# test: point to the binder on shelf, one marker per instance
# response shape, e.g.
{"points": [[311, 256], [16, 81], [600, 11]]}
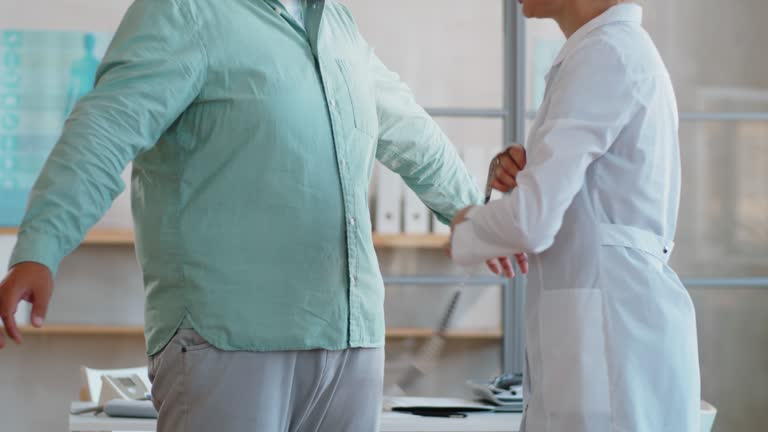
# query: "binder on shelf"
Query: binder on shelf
{"points": [[119, 216], [6, 247], [439, 227], [416, 214], [389, 192], [7, 242]]}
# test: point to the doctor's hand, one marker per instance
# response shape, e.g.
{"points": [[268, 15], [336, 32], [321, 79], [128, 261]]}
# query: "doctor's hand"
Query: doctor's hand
{"points": [[28, 281], [511, 162], [498, 265]]}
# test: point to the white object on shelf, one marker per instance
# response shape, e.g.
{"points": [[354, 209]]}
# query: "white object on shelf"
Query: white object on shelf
{"points": [[7, 242], [439, 227], [415, 214], [389, 202], [92, 378], [125, 408], [119, 214]]}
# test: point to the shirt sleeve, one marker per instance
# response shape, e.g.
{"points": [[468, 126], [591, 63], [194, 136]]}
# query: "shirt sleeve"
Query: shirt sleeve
{"points": [[413, 146], [591, 101], [152, 71]]}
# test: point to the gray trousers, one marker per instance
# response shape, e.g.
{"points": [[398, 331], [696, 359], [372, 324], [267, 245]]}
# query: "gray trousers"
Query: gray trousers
{"points": [[198, 388]]}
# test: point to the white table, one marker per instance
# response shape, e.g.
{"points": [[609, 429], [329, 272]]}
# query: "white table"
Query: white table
{"points": [[390, 422]]}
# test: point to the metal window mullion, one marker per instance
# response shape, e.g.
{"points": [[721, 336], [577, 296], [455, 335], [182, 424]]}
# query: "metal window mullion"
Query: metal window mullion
{"points": [[513, 316], [467, 112], [754, 282], [729, 282], [704, 116], [723, 116]]}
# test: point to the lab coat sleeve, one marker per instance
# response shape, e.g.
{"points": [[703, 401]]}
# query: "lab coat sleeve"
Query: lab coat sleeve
{"points": [[592, 99], [153, 69], [411, 144]]}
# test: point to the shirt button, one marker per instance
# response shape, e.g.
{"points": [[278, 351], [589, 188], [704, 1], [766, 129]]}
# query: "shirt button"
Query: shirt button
{"points": [[352, 221], [333, 103], [344, 164]]}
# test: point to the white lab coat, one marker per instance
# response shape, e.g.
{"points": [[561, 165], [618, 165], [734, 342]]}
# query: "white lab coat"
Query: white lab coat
{"points": [[611, 331]]}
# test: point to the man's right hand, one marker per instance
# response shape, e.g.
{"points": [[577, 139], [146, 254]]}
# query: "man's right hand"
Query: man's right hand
{"points": [[28, 281]]}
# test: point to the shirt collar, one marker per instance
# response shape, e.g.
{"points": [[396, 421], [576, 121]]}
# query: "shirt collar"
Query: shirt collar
{"points": [[625, 12]]}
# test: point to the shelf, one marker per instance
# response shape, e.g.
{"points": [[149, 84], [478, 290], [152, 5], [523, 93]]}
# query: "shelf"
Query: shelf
{"points": [[103, 237], [114, 237], [83, 330], [93, 330], [402, 333], [411, 241]]}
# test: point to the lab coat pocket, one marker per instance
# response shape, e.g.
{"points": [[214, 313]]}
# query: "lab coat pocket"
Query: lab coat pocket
{"points": [[575, 384]]}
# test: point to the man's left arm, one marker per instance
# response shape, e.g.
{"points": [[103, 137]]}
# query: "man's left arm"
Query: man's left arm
{"points": [[412, 145]]}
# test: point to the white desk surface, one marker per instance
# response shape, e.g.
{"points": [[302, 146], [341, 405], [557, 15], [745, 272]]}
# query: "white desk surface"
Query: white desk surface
{"points": [[390, 422]]}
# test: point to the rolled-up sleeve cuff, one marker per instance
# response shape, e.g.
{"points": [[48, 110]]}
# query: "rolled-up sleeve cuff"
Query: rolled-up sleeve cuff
{"points": [[476, 200], [43, 249]]}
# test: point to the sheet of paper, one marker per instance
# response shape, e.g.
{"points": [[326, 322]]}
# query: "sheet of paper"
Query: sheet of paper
{"points": [[433, 402]]}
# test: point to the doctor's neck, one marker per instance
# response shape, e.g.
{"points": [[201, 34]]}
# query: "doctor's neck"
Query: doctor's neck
{"points": [[571, 15]]}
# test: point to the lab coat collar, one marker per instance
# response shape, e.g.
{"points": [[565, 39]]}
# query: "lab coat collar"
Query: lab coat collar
{"points": [[625, 12]]}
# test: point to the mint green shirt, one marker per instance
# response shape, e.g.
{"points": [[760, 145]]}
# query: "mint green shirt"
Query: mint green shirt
{"points": [[253, 141]]}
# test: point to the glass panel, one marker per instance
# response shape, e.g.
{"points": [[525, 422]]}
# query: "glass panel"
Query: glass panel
{"points": [[478, 308], [459, 360], [723, 224], [543, 42], [704, 43], [731, 325], [448, 51]]}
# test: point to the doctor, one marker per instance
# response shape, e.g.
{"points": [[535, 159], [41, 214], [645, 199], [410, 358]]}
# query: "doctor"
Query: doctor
{"points": [[611, 331]]}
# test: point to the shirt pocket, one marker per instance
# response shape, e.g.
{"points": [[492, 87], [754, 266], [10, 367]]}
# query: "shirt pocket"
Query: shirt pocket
{"points": [[358, 94]]}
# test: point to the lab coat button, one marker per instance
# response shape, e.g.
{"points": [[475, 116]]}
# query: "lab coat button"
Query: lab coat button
{"points": [[666, 250]]}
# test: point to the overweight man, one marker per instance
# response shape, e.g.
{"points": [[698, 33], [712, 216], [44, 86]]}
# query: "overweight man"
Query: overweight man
{"points": [[253, 126]]}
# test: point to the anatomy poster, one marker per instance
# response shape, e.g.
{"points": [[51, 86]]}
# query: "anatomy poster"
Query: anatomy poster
{"points": [[42, 75]]}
